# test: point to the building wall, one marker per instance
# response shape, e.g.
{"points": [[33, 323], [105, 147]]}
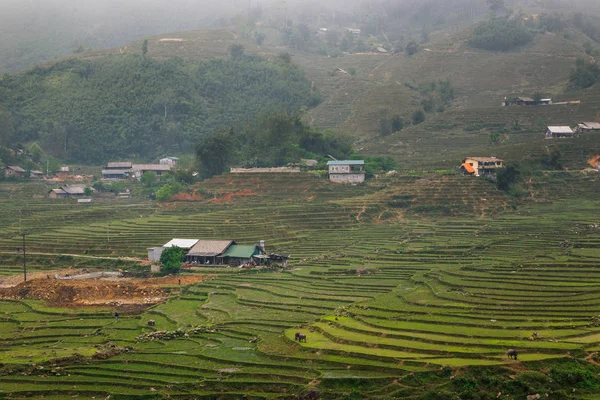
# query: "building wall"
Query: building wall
{"points": [[347, 178], [154, 253], [264, 170], [10, 172], [339, 169]]}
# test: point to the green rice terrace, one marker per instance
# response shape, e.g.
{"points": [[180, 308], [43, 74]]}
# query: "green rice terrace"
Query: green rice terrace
{"points": [[412, 286]]}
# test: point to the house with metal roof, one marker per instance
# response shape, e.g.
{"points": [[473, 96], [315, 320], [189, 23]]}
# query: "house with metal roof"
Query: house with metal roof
{"points": [[154, 253], [346, 171], [140, 169], [481, 165], [588, 126], [239, 254], [559, 132]]}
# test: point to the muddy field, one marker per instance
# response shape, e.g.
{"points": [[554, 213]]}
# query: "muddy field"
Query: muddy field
{"points": [[91, 292]]}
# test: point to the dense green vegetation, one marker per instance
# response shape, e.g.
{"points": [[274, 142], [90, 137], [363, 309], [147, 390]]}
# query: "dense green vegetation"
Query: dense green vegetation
{"points": [[500, 34], [133, 106]]}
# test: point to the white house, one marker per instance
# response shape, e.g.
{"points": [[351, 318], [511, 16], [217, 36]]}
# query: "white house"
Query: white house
{"points": [[346, 171], [559, 132]]}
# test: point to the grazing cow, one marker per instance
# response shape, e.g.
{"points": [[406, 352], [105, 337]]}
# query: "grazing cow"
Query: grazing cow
{"points": [[151, 322], [297, 336], [512, 354], [302, 338]]}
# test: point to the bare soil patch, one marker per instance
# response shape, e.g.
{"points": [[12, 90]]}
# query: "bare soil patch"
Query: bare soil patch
{"points": [[92, 292]]}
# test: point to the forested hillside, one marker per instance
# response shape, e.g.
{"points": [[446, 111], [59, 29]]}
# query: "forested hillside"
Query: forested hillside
{"points": [[130, 105]]}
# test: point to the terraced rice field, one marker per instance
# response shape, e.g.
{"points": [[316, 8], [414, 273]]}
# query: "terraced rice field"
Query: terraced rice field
{"points": [[393, 300]]}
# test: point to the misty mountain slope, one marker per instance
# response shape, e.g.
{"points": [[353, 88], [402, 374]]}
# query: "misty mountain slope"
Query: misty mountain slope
{"points": [[35, 31]]}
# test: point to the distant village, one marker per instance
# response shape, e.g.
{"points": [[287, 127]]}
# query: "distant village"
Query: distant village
{"points": [[338, 171]]}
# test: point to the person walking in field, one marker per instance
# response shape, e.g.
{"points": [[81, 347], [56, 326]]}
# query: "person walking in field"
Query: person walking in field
{"points": [[116, 316]]}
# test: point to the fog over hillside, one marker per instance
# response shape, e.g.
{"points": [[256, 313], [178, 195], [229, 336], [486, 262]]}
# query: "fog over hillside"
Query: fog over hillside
{"points": [[34, 31]]}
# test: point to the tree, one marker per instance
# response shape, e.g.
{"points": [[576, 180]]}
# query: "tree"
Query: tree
{"points": [[35, 152], [172, 259], [412, 47], [87, 191], [214, 153], [552, 159], [236, 51], [145, 48], [397, 123], [586, 74], [260, 38], [385, 127], [537, 98], [506, 177], [164, 192], [418, 117], [148, 179], [6, 127]]}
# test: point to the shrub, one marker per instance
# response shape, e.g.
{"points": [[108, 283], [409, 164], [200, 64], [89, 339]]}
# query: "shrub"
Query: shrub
{"points": [[164, 192], [411, 48], [418, 117]]}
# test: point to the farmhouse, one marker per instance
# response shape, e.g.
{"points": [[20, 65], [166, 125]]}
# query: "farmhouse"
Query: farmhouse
{"points": [[172, 161], [518, 101], [481, 165], [219, 252], [68, 191], [125, 169], [117, 170], [588, 126], [36, 174], [14, 171], [208, 251], [140, 169], [559, 132], [353, 31], [348, 171]]}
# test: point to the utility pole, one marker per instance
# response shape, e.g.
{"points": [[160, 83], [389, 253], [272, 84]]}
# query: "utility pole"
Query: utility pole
{"points": [[24, 261]]}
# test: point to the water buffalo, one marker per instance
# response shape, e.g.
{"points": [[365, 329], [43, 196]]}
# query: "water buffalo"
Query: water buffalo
{"points": [[302, 338], [512, 354], [297, 336]]}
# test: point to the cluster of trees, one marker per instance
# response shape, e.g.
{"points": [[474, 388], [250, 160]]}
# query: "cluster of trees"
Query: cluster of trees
{"points": [[585, 74], [435, 96], [274, 139], [116, 106], [500, 34]]}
